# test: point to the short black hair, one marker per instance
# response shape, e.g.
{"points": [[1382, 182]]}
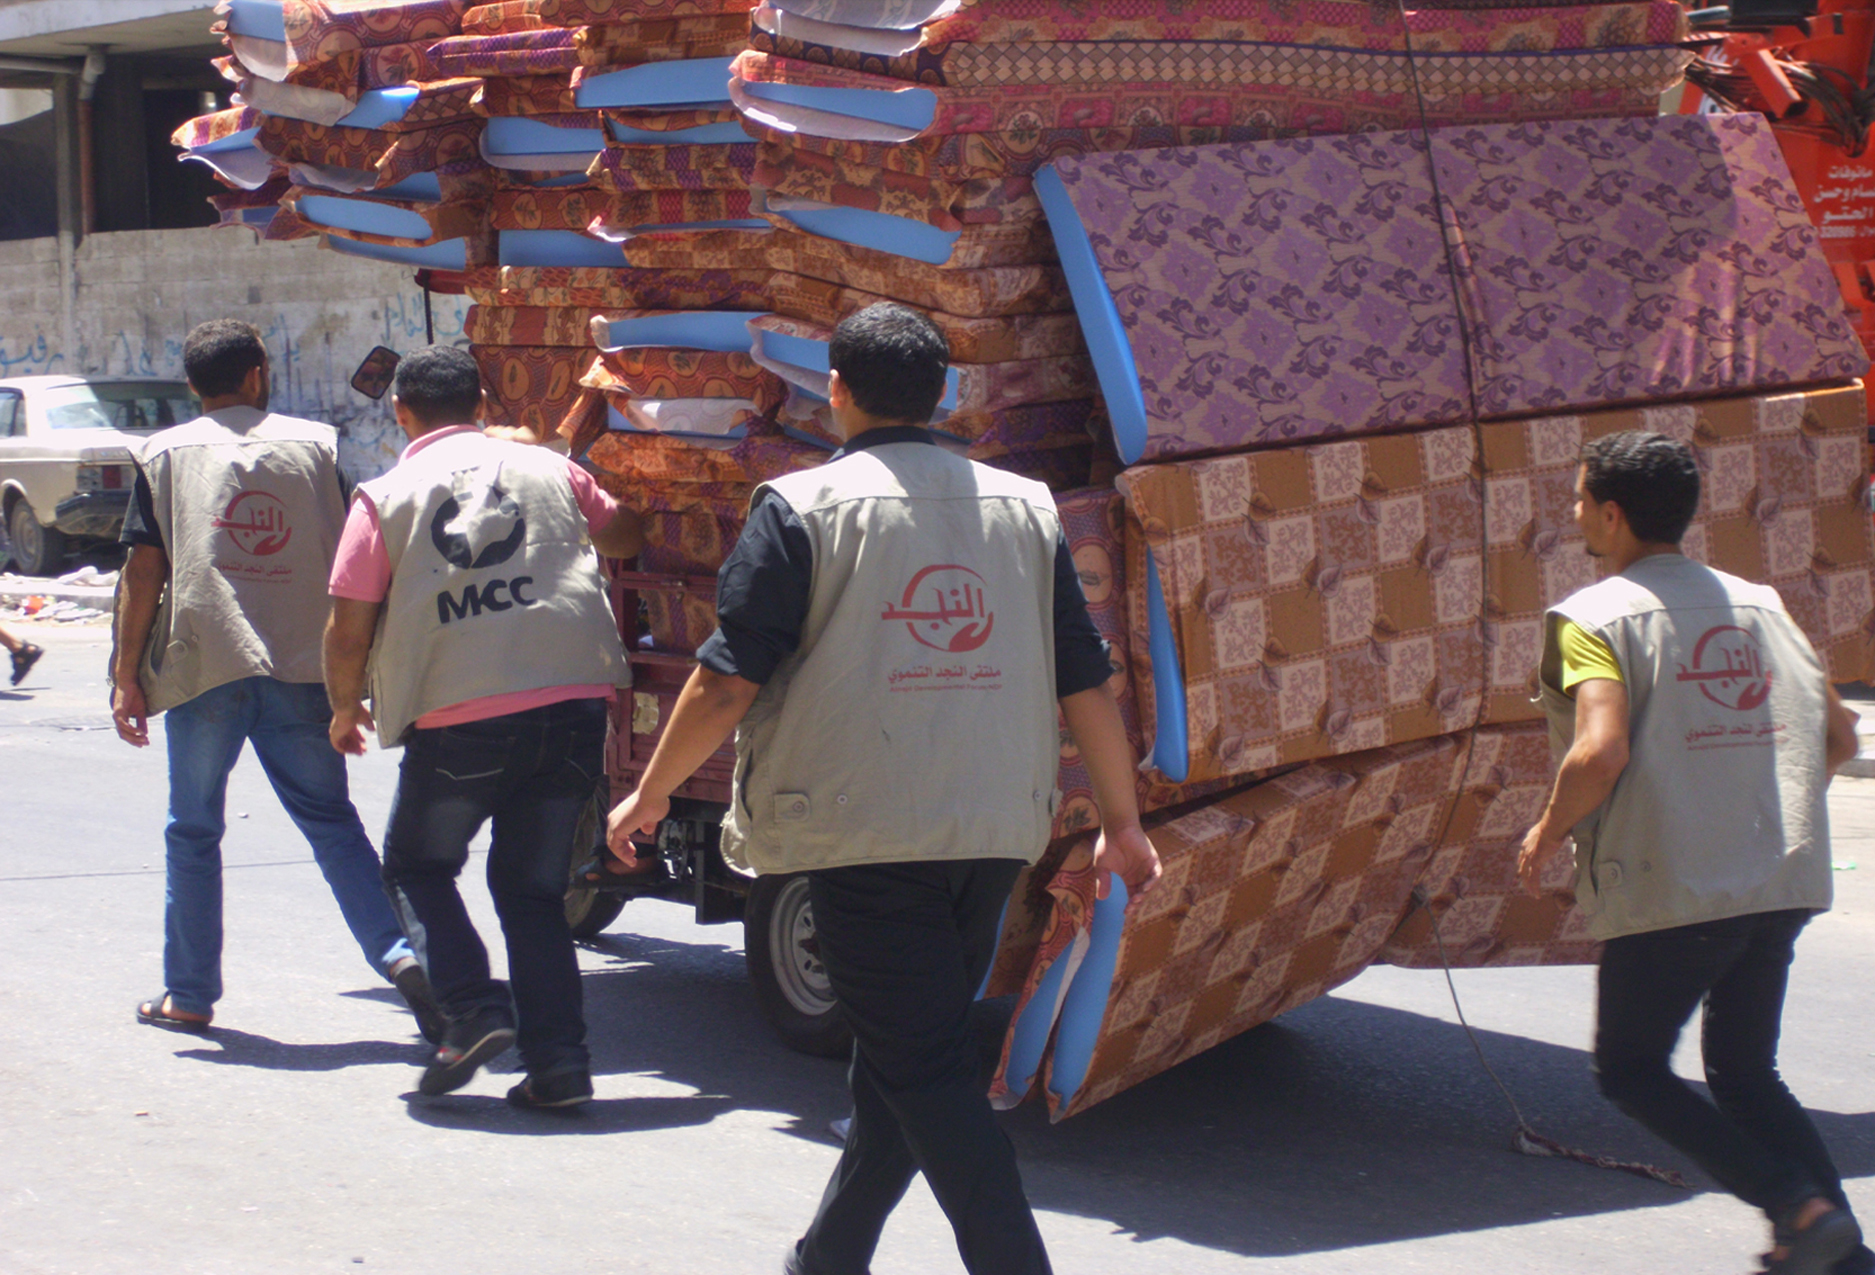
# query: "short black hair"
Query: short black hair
{"points": [[893, 361], [440, 384], [218, 355], [1654, 479]]}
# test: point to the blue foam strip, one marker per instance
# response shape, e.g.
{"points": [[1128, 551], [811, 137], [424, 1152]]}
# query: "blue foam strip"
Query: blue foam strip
{"points": [[905, 108], [725, 331], [232, 142], [418, 188], [262, 19], [557, 248], [451, 254], [984, 986], [705, 135], [1100, 318], [679, 83], [1029, 1034], [522, 135], [1170, 744], [881, 232], [805, 352], [365, 216], [1085, 1006], [378, 107]]}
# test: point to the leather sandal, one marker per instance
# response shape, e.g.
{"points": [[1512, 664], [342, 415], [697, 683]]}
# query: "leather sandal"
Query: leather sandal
{"points": [[160, 1011]]}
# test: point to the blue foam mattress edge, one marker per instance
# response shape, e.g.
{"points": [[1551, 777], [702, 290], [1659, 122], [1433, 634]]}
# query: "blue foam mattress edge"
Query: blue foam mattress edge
{"points": [[1100, 318], [679, 83]]}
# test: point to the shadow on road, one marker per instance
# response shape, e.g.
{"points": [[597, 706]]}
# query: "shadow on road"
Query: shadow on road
{"points": [[602, 1115], [245, 1049], [1344, 1124]]}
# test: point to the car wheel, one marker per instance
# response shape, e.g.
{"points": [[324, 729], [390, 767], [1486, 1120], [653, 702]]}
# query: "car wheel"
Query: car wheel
{"points": [[39, 551], [791, 983], [589, 911]]}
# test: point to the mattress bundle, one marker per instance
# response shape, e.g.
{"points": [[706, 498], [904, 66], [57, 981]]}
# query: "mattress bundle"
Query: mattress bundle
{"points": [[345, 127], [1353, 376]]}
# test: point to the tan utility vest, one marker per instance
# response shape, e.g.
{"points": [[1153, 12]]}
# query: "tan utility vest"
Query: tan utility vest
{"points": [[917, 718], [250, 510], [1721, 809], [494, 584]]}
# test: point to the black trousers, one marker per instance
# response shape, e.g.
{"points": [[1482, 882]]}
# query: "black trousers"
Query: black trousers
{"points": [[906, 946], [1754, 1137]]}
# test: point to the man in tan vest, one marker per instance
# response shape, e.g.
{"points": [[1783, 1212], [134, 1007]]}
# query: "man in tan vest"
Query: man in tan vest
{"points": [[231, 529], [468, 600], [1701, 735], [897, 630]]}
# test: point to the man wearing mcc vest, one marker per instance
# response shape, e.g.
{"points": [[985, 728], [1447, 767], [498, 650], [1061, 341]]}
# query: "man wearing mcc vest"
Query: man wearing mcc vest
{"points": [[897, 628], [467, 599], [1701, 735], [231, 529]]}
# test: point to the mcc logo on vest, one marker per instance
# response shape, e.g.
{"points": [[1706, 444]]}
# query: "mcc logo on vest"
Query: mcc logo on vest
{"points": [[488, 534]]}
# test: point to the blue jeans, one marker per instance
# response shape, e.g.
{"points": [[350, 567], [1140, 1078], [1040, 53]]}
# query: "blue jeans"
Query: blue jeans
{"points": [[287, 722], [532, 773]]}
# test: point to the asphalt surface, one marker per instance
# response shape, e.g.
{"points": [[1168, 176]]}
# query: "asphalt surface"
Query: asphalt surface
{"points": [[1357, 1134]]}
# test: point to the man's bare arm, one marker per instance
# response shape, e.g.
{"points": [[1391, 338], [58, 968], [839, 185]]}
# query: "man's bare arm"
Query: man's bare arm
{"points": [[139, 591], [1123, 847], [707, 711], [623, 536], [348, 638], [1841, 743], [1587, 774]]}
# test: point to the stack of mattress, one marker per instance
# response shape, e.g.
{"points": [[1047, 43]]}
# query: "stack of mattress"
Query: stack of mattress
{"points": [[603, 120], [1354, 376], [347, 128]]}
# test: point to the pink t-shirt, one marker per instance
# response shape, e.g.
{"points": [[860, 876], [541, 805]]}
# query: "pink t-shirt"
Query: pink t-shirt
{"points": [[362, 572]]}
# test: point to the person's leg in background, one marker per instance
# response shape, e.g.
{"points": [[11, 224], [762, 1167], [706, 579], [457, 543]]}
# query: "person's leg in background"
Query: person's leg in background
{"points": [[559, 766], [24, 654], [906, 947], [290, 736], [204, 737]]}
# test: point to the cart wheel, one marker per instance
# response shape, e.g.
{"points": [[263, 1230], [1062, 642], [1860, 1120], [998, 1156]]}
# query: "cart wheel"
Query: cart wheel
{"points": [[589, 911], [784, 964]]}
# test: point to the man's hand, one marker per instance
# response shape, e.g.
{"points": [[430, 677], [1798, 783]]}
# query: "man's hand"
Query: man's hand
{"points": [[1538, 850], [639, 812], [1125, 852], [131, 712], [350, 721]]}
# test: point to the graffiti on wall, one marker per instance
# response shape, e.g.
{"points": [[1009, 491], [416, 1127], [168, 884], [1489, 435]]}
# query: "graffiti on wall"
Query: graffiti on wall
{"points": [[33, 356]]}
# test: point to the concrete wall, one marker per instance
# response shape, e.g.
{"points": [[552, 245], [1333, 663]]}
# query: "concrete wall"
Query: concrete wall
{"points": [[130, 298]]}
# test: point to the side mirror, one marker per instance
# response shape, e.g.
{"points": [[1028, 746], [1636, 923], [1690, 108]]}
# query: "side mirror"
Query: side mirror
{"points": [[373, 376]]}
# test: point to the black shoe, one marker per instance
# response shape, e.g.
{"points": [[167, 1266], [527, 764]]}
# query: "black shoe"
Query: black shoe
{"points": [[1860, 1262], [411, 983], [466, 1045], [1818, 1247], [561, 1089], [24, 659], [792, 1264]]}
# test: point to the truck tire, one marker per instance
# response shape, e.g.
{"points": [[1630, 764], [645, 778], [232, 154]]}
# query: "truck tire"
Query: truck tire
{"points": [[589, 911], [790, 982], [39, 551]]}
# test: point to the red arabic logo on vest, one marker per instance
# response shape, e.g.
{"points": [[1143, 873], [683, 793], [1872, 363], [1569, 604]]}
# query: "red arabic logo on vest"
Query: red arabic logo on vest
{"points": [[256, 522], [1729, 668], [943, 608]]}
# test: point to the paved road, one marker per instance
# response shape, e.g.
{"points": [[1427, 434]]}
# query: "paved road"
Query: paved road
{"points": [[1357, 1134]]}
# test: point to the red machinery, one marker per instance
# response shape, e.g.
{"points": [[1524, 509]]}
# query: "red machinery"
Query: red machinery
{"points": [[1806, 64]]}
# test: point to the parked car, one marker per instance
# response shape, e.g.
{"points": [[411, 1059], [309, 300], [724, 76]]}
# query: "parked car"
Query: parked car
{"points": [[65, 457]]}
